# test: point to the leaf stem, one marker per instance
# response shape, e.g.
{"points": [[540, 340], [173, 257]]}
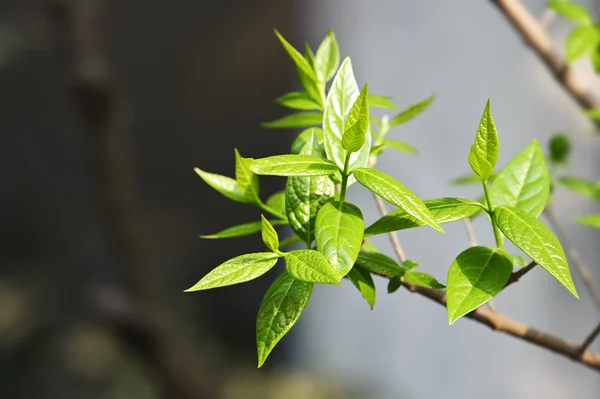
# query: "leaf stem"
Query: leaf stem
{"points": [[488, 198], [272, 211], [345, 178]]}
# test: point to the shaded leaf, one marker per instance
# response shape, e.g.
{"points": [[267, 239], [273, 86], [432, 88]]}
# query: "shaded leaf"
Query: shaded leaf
{"points": [[422, 280], [363, 281], [560, 147], [394, 284], [277, 202], [378, 263]]}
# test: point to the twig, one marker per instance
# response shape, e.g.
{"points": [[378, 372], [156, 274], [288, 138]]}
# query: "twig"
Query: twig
{"points": [[590, 338], [581, 266], [470, 232], [393, 236], [516, 276], [534, 34], [547, 17]]}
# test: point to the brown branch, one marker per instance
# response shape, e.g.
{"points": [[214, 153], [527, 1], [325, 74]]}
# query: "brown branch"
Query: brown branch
{"points": [[534, 34], [470, 232], [516, 276], [79, 43], [393, 236], [590, 338]]}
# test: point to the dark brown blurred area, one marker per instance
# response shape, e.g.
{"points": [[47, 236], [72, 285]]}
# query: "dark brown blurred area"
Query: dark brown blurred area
{"points": [[105, 108]]}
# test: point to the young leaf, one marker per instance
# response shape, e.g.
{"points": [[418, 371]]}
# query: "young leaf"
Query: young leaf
{"points": [[292, 165], [299, 119], [298, 59], [394, 284], [363, 281], [357, 123], [560, 147], [247, 181], [580, 186], [395, 193], [311, 266], [339, 233], [400, 146], [410, 112], [376, 101], [277, 202], [475, 276], [269, 235], [237, 270], [298, 100], [378, 263], [518, 260], [524, 182], [484, 153], [409, 264], [327, 58], [342, 95], [591, 220], [537, 241], [225, 185], [571, 11], [581, 41], [305, 137], [422, 280], [241, 230], [368, 246], [281, 307]]}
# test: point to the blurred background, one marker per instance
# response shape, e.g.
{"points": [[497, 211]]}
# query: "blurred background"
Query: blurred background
{"points": [[107, 106]]}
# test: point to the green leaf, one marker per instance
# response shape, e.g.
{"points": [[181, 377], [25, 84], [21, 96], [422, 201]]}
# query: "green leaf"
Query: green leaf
{"points": [[591, 220], [310, 265], [224, 185], [379, 263], [277, 202], [289, 241], [400, 146], [281, 307], [475, 276], [368, 246], [571, 11], [595, 56], [363, 281], [339, 233], [537, 241], [305, 137], [246, 179], [593, 113], [298, 100], [269, 235], [292, 165], [524, 182], [444, 210], [327, 58], [342, 95], [395, 193], [298, 59], [357, 123], [299, 119], [581, 41], [580, 186], [376, 101], [241, 230], [394, 284], [411, 112], [467, 179], [422, 280], [518, 260], [560, 147], [410, 264], [237, 270], [484, 153]]}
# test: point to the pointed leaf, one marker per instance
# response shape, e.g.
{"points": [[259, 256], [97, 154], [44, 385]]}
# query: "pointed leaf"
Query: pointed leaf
{"points": [[479, 165], [298, 59], [327, 58], [422, 280], [224, 185], [379, 263], [269, 235], [537, 241], [292, 165], [409, 264], [298, 100], [484, 153], [363, 281], [475, 276], [376, 101], [237, 270], [299, 119], [339, 233], [524, 182], [305, 137], [281, 307], [368, 246], [357, 123], [591, 220], [289, 241], [246, 179], [399, 146], [310, 265], [395, 193], [581, 41], [411, 112], [571, 11], [342, 95], [394, 284], [241, 230]]}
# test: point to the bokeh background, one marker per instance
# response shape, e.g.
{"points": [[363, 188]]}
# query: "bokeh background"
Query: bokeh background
{"points": [[106, 107]]}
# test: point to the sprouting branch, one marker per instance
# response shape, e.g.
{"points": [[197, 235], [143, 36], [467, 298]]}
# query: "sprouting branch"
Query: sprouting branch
{"points": [[534, 34], [590, 338], [516, 276]]}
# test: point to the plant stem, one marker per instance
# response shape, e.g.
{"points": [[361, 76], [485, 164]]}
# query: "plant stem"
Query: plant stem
{"points": [[488, 198], [345, 178], [272, 211]]}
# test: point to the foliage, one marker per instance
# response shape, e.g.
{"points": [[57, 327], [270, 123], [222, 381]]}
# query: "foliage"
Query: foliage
{"points": [[341, 147]]}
